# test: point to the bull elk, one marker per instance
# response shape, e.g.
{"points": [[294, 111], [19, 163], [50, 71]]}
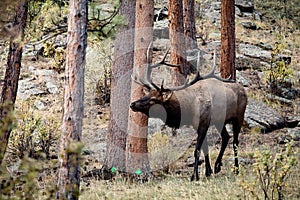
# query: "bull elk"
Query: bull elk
{"points": [[201, 102]]}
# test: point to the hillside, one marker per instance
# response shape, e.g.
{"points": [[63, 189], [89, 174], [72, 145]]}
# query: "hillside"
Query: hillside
{"points": [[267, 46]]}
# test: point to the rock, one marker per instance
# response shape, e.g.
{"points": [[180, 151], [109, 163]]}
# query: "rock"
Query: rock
{"points": [[161, 29], [245, 5], [52, 88], [161, 44], [238, 12], [160, 13], [249, 25], [44, 75], [254, 51], [289, 93], [244, 62], [242, 80], [265, 46], [281, 99], [243, 161], [154, 125], [28, 88], [292, 134], [258, 114], [257, 16], [214, 36], [39, 105]]}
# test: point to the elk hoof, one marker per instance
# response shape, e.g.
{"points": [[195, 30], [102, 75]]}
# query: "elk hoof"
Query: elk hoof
{"points": [[236, 170], [218, 167], [208, 172], [193, 178]]}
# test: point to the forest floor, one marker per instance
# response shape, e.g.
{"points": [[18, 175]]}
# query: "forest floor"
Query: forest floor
{"points": [[256, 150]]}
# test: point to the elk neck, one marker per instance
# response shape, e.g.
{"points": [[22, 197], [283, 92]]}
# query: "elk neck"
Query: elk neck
{"points": [[172, 107]]}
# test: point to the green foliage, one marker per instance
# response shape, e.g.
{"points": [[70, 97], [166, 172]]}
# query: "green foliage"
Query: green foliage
{"points": [[45, 17], [59, 55], [270, 173], [49, 50], [59, 59], [20, 181], [34, 135], [279, 72]]}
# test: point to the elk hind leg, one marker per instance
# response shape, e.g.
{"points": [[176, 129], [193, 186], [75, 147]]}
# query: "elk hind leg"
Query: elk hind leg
{"points": [[236, 125], [208, 170], [225, 138]]}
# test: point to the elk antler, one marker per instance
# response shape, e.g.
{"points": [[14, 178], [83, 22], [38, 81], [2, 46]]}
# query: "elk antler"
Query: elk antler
{"points": [[212, 74], [150, 85], [146, 81]]}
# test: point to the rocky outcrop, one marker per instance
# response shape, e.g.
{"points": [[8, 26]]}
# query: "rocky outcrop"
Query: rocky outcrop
{"points": [[258, 114]]}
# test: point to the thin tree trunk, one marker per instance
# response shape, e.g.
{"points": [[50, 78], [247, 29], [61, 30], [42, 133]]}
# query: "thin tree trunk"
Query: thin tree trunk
{"points": [[177, 41], [120, 91], [228, 39], [137, 151], [70, 146], [11, 79]]}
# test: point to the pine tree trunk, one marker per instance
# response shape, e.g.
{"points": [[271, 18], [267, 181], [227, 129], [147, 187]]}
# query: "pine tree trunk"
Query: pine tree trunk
{"points": [[11, 79], [189, 24], [70, 146], [120, 91], [177, 41], [137, 151], [189, 30], [228, 39]]}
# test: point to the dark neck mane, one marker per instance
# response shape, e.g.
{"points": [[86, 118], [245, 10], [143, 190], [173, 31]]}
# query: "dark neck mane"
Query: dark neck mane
{"points": [[173, 110]]}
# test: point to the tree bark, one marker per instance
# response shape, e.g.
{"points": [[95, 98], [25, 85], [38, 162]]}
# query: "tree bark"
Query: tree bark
{"points": [[189, 24], [137, 151], [120, 91], [189, 30], [228, 39], [177, 41], [12, 73], [70, 146]]}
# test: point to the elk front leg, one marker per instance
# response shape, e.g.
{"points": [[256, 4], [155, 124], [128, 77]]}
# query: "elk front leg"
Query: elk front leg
{"points": [[200, 139], [225, 138]]}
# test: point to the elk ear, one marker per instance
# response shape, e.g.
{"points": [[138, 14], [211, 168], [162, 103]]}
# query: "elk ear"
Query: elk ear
{"points": [[166, 95]]}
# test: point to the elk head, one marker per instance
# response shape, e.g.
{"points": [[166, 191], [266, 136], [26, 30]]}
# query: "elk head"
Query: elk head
{"points": [[152, 97]]}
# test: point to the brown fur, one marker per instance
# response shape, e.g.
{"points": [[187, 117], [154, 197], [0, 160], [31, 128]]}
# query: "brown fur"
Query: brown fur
{"points": [[205, 103]]}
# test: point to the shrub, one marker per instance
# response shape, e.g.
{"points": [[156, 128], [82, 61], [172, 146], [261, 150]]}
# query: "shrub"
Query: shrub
{"points": [[33, 135], [270, 173], [279, 72]]}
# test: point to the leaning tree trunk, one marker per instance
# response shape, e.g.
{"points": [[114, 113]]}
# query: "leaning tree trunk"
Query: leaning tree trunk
{"points": [[12, 73], [137, 151], [120, 91], [70, 146], [228, 39], [177, 41]]}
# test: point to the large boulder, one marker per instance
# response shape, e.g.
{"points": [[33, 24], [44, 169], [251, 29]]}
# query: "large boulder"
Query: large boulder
{"points": [[258, 114]]}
